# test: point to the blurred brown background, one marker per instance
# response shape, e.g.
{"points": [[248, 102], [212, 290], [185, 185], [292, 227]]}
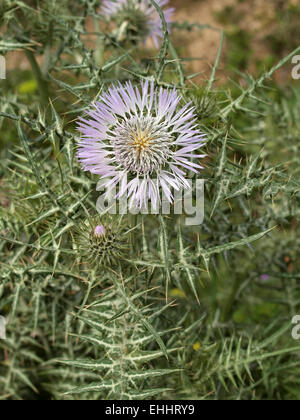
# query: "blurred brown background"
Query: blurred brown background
{"points": [[258, 34]]}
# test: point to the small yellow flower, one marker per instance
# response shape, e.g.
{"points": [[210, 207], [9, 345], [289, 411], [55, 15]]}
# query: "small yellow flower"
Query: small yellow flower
{"points": [[177, 293], [197, 346], [27, 87]]}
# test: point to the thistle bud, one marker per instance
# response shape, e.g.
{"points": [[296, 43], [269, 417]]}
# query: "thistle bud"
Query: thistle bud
{"points": [[101, 241]]}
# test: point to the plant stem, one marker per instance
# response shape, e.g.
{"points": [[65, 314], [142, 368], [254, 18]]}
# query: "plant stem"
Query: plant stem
{"points": [[42, 84], [99, 51]]}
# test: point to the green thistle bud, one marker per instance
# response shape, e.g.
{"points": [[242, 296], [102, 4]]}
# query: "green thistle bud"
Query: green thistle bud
{"points": [[102, 241], [204, 102]]}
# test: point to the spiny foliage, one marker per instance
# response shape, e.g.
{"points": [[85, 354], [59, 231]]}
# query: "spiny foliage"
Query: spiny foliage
{"points": [[135, 329]]}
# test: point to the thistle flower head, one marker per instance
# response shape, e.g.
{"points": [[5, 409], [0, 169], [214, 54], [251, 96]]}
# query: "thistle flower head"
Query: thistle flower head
{"points": [[141, 140], [140, 16], [101, 240]]}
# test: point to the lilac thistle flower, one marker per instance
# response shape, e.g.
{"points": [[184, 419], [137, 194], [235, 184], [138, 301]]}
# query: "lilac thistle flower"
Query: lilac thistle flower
{"points": [[142, 141], [143, 14]]}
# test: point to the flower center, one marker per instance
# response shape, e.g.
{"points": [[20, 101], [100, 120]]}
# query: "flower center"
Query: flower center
{"points": [[142, 145], [141, 141]]}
